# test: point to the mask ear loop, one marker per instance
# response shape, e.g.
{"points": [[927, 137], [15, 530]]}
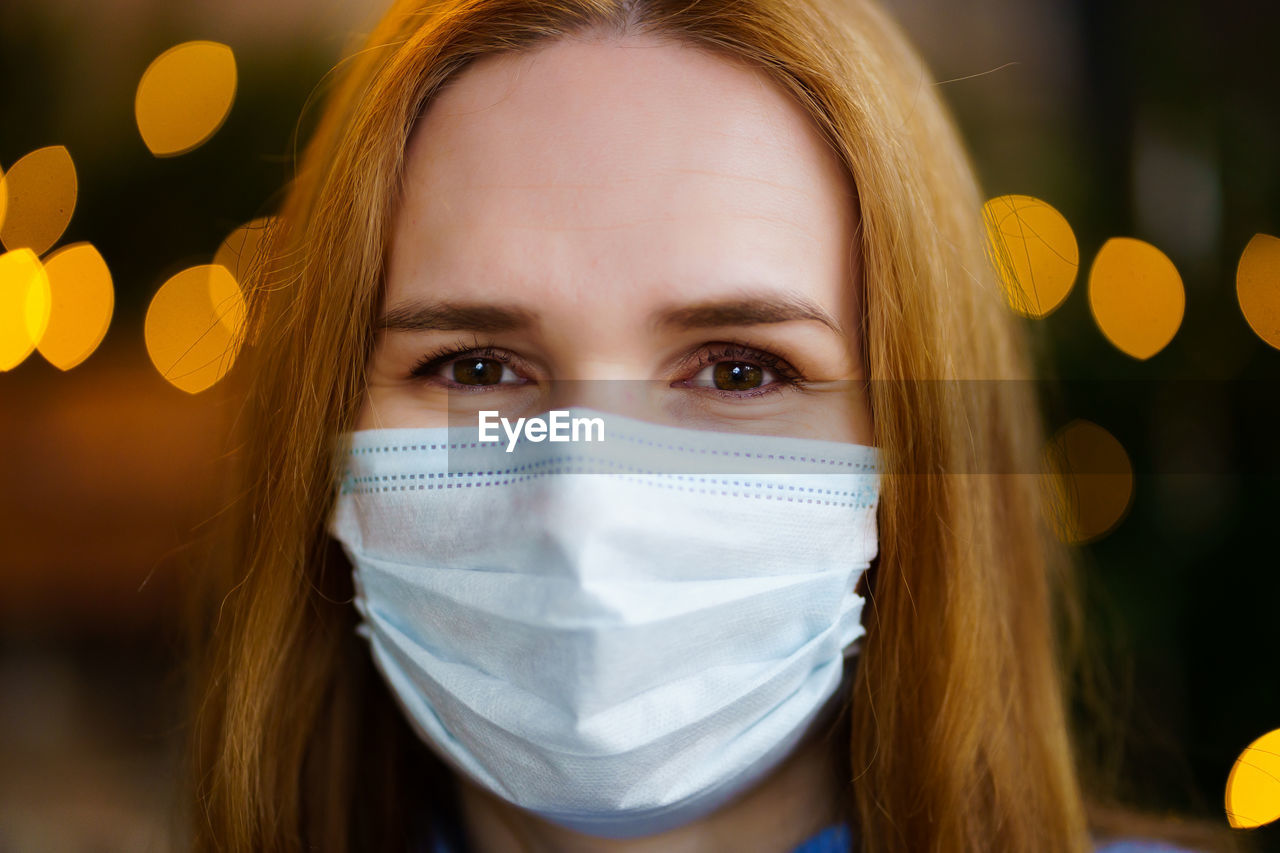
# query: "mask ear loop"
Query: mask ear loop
{"points": [[853, 649]]}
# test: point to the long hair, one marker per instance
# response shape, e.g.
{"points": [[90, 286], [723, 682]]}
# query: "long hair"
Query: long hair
{"points": [[958, 738]]}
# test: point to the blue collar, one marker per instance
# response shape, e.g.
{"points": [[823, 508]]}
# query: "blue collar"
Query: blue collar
{"points": [[833, 839]]}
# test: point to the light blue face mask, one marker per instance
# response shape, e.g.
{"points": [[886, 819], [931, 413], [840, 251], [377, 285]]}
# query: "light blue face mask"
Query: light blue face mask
{"points": [[619, 635]]}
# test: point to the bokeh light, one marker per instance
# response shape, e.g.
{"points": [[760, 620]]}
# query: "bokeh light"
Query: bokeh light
{"points": [[24, 305], [4, 198], [41, 198], [1253, 786], [239, 252], [1034, 249], [1258, 287], [82, 302], [184, 96], [1136, 296], [1088, 483], [194, 325]]}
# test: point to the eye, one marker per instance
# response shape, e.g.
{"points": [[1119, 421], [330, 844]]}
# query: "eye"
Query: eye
{"points": [[480, 371], [733, 376], [734, 371], [471, 367]]}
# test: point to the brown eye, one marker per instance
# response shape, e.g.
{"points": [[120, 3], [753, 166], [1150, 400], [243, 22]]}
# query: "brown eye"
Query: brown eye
{"points": [[477, 371], [737, 376]]}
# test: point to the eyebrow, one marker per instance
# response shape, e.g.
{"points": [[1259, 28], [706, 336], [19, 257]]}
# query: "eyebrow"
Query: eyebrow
{"points": [[746, 311], [454, 316], [483, 317]]}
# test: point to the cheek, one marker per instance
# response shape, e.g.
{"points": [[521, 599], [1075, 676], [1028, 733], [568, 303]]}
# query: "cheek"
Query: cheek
{"points": [[390, 398], [849, 417], [397, 407], [849, 412], [839, 413]]}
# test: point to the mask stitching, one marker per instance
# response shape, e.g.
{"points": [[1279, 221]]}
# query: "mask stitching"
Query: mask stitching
{"points": [[723, 492], [476, 445], [563, 463], [570, 465]]}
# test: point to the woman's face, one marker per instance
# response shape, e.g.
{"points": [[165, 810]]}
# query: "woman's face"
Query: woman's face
{"points": [[628, 225]]}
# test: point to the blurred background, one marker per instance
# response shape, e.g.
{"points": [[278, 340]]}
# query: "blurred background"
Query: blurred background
{"points": [[1100, 119]]}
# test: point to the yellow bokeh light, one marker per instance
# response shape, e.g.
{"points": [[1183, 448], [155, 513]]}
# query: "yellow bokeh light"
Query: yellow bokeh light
{"points": [[1258, 287], [194, 326], [83, 300], [24, 305], [1136, 296], [184, 96], [239, 252], [41, 198], [1034, 249], [1088, 485], [1253, 786], [4, 198]]}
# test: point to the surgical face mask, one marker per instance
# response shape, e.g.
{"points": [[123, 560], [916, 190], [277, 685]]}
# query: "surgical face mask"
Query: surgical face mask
{"points": [[617, 635]]}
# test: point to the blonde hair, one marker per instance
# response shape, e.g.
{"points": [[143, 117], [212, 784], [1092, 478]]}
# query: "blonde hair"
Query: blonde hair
{"points": [[958, 733]]}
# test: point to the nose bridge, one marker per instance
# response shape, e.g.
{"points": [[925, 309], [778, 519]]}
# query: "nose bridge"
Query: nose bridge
{"points": [[614, 387], [575, 515], [603, 353]]}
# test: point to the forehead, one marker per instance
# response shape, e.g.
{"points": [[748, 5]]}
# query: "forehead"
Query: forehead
{"points": [[618, 165]]}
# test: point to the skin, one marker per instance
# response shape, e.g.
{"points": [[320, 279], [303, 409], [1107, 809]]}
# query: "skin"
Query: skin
{"points": [[607, 220]]}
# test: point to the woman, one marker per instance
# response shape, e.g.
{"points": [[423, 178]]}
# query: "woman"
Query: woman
{"points": [[743, 225]]}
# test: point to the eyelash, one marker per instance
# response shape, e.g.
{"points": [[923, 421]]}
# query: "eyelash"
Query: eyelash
{"points": [[431, 363], [787, 376]]}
